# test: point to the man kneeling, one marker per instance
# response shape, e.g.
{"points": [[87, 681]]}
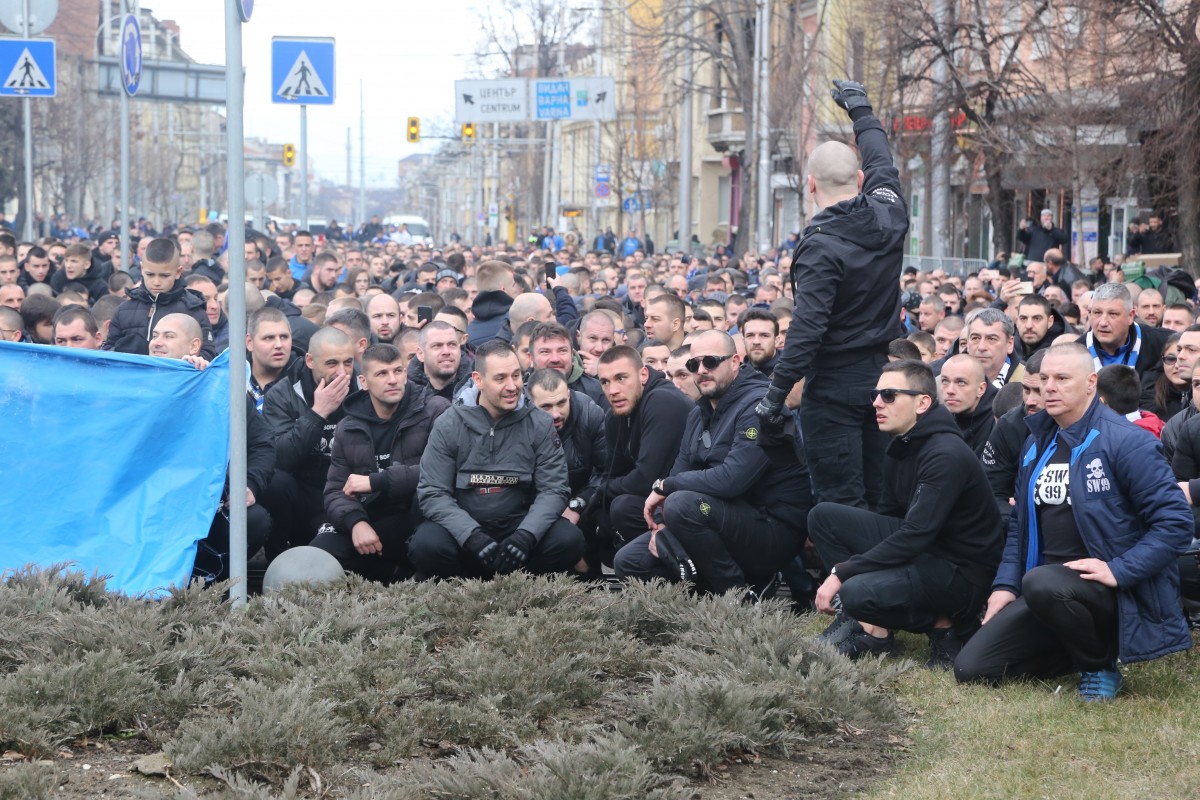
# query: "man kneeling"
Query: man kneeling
{"points": [[494, 482], [1089, 572], [925, 561]]}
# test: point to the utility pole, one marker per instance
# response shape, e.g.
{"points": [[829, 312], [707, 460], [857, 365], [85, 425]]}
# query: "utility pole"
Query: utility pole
{"points": [[349, 175], [362, 157], [763, 129], [685, 143], [939, 174]]}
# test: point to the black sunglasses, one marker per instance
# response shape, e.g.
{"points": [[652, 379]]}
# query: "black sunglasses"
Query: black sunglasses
{"points": [[889, 395], [1170, 359], [709, 362]]}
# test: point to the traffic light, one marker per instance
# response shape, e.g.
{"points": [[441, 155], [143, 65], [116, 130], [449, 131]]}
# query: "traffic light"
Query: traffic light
{"points": [[414, 129], [289, 155], [468, 133]]}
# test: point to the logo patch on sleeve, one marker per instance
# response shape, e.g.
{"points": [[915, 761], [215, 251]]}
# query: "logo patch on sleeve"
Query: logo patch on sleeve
{"points": [[886, 194], [752, 433]]}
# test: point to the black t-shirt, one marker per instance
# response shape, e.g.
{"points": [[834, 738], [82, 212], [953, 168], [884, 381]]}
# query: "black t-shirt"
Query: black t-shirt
{"points": [[1058, 533]]}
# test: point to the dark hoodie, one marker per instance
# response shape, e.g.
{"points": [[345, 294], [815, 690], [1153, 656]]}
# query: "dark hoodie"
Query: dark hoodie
{"points": [[417, 377], [388, 451], [134, 320], [96, 284], [643, 446], [303, 439], [1058, 326], [846, 269], [935, 483], [490, 310], [720, 454], [976, 426]]}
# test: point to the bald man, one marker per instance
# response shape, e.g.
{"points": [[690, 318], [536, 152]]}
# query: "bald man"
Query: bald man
{"points": [[966, 393], [178, 336], [1089, 574], [527, 307], [846, 282]]}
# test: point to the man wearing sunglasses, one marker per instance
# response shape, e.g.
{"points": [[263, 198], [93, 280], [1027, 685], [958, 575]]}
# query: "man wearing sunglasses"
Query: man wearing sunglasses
{"points": [[730, 514], [925, 562], [846, 282]]}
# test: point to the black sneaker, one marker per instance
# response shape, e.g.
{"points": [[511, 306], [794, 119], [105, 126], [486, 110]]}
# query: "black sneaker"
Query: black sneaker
{"points": [[944, 646], [860, 643], [842, 626]]}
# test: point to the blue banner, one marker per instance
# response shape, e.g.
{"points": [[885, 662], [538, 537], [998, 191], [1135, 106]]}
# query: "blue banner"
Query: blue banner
{"points": [[112, 462]]}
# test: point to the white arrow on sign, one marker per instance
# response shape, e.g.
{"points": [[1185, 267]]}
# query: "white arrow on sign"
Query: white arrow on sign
{"points": [[302, 81]]}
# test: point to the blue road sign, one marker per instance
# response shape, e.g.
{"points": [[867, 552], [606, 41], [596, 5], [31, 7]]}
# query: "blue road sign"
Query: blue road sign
{"points": [[246, 9], [553, 99], [302, 71], [27, 66], [131, 54]]}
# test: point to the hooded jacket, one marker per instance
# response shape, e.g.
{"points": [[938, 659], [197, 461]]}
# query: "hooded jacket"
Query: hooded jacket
{"points": [[417, 377], [135, 318], [584, 446], [1129, 512], [303, 439], [935, 483], [643, 446], [499, 475], [580, 381], [846, 269], [209, 269], [490, 310], [95, 283], [1058, 326], [1001, 458], [393, 483], [720, 454], [976, 426]]}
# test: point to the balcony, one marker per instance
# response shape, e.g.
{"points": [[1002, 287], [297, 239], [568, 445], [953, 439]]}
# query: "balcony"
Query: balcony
{"points": [[727, 129]]}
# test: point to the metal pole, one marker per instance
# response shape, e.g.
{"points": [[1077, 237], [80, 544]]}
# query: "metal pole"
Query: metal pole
{"points": [[685, 144], [123, 211], [236, 178], [27, 114], [362, 157], [939, 174], [764, 130], [303, 168]]}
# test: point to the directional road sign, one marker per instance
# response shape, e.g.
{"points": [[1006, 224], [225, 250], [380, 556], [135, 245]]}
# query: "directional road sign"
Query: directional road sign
{"points": [[27, 66], [131, 54], [504, 100], [574, 98], [302, 71]]}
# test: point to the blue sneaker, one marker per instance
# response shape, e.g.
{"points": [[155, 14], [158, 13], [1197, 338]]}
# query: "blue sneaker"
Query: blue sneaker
{"points": [[1100, 686]]}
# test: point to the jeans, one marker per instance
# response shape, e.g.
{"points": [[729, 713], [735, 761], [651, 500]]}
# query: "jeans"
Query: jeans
{"points": [[842, 441], [911, 596], [1059, 623]]}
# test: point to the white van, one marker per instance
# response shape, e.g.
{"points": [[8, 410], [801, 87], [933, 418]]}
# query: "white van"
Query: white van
{"points": [[418, 227]]}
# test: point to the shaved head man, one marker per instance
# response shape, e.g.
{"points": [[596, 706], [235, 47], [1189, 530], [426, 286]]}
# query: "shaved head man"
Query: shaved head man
{"points": [[384, 313], [832, 173], [529, 306], [966, 394], [178, 336]]}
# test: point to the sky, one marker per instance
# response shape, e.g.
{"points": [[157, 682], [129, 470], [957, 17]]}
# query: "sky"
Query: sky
{"points": [[406, 53]]}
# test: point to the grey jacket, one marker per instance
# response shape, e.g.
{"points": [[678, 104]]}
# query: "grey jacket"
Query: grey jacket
{"points": [[500, 476]]}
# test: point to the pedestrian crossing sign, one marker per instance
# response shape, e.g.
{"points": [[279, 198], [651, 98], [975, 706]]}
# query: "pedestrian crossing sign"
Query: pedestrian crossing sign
{"points": [[302, 71], [27, 67]]}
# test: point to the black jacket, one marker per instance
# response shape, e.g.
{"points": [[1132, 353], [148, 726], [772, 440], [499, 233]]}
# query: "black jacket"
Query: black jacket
{"points": [[96, 284], [135, 319], [1038, 240], [1058, 326], [209, 269], [643, 446], [584, 446], [846, 270], [935, 483], [303, 440], [1002, 458], [1149, 355], [417, 377], [394, 484], [720, 454], [499, 475], [260, 453], [976, 426]]}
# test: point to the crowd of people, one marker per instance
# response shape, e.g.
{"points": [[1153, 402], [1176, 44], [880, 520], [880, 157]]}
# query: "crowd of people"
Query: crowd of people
{"points": [[1004, 461]]}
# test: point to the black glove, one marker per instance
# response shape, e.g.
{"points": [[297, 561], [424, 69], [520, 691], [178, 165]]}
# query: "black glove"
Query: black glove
{"points": [[483, 547], [514, 551], [770, 409], [850, 95]]}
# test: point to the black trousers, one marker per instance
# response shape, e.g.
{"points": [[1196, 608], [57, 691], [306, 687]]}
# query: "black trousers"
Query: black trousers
{"points": [[298, 512], [1059, 623], [434, 553], [212, 552], [842, 441], [730, 542], [390, 565], [910, 597]]}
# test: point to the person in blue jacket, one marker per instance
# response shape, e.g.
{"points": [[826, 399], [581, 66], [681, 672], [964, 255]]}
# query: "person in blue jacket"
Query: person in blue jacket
{"points": [[1089, 577]]}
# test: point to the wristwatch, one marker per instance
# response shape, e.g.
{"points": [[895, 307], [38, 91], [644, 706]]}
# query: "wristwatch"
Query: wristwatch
{"points": [[577, 504], [659, 487]]}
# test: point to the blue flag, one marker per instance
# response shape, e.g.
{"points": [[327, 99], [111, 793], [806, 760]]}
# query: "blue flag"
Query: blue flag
{"points": [[113, 462]]}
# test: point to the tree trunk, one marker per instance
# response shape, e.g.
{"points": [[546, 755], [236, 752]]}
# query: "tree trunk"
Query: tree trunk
{"points": [[1187, 168], [999, 200]]}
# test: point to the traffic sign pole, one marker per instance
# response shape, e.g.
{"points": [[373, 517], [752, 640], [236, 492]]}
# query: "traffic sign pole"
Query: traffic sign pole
{"points": [[27, 122], [131, 76], [236, 237], [303, 167]]}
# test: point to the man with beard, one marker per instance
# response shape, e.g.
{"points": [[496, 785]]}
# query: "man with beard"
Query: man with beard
{"points": [[384, 313], [1038, 324], [303, 410], [760, 331], [439, 362]]}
